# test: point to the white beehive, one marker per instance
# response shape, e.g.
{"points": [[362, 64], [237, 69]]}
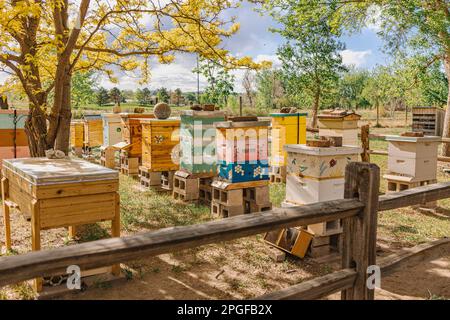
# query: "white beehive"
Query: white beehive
{"points": [[316, 174], [414, 157]]}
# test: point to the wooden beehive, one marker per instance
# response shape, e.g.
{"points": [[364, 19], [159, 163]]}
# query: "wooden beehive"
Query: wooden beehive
{"points": [[93, 130], [242, 150], [429, 120], [287, 128], [340, 123], [160, 144], [413, 157], [76, 134], [132, 132], [13, 139], [112, 129], [197, 139]]}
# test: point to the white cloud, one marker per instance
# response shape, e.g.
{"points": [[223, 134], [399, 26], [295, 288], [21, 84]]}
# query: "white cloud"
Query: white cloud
{"points": [[355, 58]]}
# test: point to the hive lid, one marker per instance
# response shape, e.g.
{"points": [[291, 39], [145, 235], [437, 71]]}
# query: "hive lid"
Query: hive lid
{"points": [[125, 115], [202, 113], [339, 114], [296, 114], [317, 151], [92, 116], [121, 146], [161, 121], [111, 116], [44, 171], [243, 124], [413, 139]]}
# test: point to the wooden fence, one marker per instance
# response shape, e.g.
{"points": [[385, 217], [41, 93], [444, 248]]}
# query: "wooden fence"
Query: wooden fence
{"points": [[358, 211]]}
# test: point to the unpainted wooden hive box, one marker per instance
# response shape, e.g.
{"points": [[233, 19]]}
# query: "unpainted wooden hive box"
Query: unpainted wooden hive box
{"points": [[340, 123], [132, 131]]}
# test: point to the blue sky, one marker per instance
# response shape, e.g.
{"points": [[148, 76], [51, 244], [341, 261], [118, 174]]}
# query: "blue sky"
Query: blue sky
{"points": [[254, 39]]}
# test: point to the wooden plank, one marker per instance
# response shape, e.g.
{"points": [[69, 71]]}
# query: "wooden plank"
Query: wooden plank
{"points": [[315, 288], [415, 196], [360, 232], [409, 257], [6, 216], [112, 251]]}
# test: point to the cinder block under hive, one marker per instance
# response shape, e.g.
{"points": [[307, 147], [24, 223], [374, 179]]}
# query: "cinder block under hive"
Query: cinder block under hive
{"points": [[224, 211], [167, 180], [185, 188]]}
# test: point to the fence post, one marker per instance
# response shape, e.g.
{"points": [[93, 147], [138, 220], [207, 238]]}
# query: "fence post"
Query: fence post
{"points": [[362, 181]]}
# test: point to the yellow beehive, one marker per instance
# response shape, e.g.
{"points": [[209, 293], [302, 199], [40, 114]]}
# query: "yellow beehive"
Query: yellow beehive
{"points": [[76, 134], [93, 131], [160, 144], [287, 128]]}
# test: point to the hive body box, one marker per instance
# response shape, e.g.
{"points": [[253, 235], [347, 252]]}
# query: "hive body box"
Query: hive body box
{"points": [[197, 139], [429, 120], [413, 157], [10, 136], [60, 193], [93, 130], [132, 132], [340, 124], [112, 129], [76, 134], [242, 151], [287, 128], [160, 144]]}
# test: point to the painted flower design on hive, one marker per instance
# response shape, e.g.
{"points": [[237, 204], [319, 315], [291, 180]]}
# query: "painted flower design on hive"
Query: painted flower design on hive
{"points": [[258, 172], [332, 163], [230, 174], [159, 139], [239, 170]]}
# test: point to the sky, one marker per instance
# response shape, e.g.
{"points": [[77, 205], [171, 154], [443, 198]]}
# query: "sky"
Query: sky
{"points": [[254, 39]]}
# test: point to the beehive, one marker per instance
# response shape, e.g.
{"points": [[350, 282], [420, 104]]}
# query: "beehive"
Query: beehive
{"points": [[13, 139], [287, 128], [112, 129], [76, 134], [160, 144], [316, 174], [340, 123], [242, 150], [93, 130], [132, 132], [429, 120], [197, 139], [413, 157]]}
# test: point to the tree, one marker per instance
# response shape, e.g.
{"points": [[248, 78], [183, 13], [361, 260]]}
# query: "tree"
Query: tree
{"points": [[83, 88], [351, 87], [143, 96], [220, 82], [102, 97], [43, 43], [269, 89], [191, 97], [311, 62], [407, 25], [178, 96], [116, 96], [163, 95], [248, 83]]}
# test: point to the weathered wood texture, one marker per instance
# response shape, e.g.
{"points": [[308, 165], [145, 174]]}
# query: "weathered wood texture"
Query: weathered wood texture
{"points": [[343, 279], [362, 180], [111, 251]]}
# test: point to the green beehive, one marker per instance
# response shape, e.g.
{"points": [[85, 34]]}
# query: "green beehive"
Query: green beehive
{"points": [[197, 138]]}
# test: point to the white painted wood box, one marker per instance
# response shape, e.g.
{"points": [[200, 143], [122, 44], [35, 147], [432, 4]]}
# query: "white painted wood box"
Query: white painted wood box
{"points": [[340, 123], [414, 157]]}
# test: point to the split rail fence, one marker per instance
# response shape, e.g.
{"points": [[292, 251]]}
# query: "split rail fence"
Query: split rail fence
{"points": [[358, 212]]}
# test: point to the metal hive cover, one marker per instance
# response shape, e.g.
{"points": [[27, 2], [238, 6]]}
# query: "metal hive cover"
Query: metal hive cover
{"points": [[44, 171]]}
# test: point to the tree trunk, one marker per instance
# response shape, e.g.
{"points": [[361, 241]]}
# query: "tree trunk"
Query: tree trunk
{"points": [[36, 130], [315, 109], [63, 133], [446, 132]]}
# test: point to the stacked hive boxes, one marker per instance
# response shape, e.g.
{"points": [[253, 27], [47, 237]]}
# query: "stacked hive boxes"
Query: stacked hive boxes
{"points": [[112, 129], [13, 139], [131, 148], [287, 128], [316, 174], [93, 132], [340, 123], [242, 156], [77, 136], [412, 162], [160, 152], [198, 155]]}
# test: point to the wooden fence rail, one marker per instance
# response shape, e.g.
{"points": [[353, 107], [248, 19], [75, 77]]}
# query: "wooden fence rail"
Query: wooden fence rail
{"points": [[358, 211]]}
